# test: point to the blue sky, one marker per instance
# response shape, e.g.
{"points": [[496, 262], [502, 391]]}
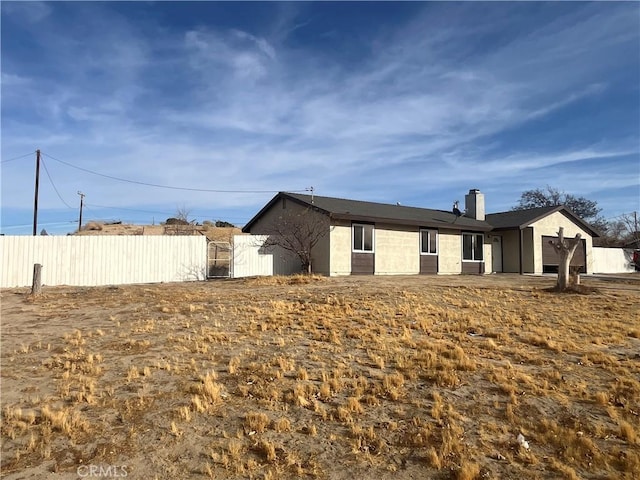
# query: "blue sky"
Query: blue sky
{"points": [[391, 102]]}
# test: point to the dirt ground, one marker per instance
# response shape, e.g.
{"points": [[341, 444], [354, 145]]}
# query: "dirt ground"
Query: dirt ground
{"points": [[331, 378], [223, 234]]}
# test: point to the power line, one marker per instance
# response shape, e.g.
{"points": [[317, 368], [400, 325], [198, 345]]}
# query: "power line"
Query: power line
{"points": [[54, 185], [166, 186], [17, 158], [124, 208], [40, 224]]}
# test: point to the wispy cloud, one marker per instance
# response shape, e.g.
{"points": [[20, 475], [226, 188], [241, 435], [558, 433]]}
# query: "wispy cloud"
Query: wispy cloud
{"points": [[30, 12], [450, 97]]}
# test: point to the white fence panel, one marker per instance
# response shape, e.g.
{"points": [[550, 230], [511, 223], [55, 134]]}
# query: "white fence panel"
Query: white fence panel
{"points": [[102, 260], [612, 260], [251, 259]]}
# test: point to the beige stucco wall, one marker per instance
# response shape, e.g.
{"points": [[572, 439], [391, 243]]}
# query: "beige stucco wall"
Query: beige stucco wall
{"points": [[549, 226], [397, 250], [320, 253], [450, 251], [340, 245]]}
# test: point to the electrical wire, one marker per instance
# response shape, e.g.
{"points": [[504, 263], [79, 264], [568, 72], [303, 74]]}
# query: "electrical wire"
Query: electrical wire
{"points": [[39, 224], [16, 158], [165, 186], [54, 185], [93, 205], [128, 209]]}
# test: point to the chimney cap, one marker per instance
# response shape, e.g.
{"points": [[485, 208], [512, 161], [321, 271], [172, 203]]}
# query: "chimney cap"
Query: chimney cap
{"points": [[474, 190]]}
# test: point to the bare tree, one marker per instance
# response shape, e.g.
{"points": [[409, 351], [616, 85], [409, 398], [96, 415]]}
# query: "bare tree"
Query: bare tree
{"points": [[622, 231], [565, 248], [550, 197], [631, 228], [180, 224], [297, 233], [182, 213]]}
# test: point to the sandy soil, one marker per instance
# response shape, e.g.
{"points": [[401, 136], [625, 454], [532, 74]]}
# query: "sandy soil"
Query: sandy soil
{"points": [[348, 378]]}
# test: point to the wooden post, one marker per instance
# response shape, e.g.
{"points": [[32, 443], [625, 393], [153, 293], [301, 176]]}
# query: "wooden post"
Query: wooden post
{"points": [[35, 200], [36, 286]]}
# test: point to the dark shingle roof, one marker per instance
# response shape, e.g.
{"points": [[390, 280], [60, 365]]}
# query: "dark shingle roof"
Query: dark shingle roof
{"points": [[523, 218], [519, 218], [356, 210]]}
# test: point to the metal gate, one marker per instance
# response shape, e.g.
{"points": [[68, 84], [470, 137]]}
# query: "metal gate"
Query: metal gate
{"points": [[219, 260]]}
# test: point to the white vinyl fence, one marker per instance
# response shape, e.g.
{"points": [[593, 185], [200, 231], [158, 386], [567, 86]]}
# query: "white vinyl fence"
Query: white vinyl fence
{"points": [[102, 260], [612, 260], [251, 258]]}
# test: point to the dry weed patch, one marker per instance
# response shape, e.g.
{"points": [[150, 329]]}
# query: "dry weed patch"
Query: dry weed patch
{"points": [[310, 377]]}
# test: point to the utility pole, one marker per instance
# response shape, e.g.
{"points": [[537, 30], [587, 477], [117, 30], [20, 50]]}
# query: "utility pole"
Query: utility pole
{"points": [[35, 202], [81, 205]]}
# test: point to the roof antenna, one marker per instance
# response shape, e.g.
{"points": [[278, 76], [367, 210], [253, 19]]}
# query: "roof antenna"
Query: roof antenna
{"points": [[310, 189], [456, 210]]}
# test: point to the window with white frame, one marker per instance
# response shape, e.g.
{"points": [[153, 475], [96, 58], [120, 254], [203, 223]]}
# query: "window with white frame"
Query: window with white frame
{"points": [[472, 247], [428, 242], [362, 238]]}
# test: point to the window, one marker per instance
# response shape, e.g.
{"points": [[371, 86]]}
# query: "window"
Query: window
{"points": [[362, 238], [428, 242], [472, 246]]}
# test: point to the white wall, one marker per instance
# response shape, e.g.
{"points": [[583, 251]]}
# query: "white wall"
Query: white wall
{"points": [[612, 260], [102, 260], [251, 259]]}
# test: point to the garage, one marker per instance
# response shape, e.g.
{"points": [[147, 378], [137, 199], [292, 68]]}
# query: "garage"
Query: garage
{"points": [[550, 259]]}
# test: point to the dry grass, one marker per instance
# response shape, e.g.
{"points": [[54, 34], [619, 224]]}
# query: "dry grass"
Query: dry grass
{"points": [[304, 376]]}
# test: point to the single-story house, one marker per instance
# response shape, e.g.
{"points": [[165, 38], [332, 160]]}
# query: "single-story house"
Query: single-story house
{"points": [[384, 239]]}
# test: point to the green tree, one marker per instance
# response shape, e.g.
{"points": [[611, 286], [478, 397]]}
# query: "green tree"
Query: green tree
{"points": [[550, 197]]}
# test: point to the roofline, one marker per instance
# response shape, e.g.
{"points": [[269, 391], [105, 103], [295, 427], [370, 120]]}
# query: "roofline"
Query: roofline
{"points": [[559, 208], [363, 218], [414, 223], [271, 202], [394, 221], [585, 226], [540, 217]]}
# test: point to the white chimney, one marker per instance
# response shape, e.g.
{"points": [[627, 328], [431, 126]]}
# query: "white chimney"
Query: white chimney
{"points": [[474, 204]]}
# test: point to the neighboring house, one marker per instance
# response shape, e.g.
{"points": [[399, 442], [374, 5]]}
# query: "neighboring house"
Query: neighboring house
{"points": [[383, 239]]}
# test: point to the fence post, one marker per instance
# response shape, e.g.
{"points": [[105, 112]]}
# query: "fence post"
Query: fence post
{"points": [[36, 286]]}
